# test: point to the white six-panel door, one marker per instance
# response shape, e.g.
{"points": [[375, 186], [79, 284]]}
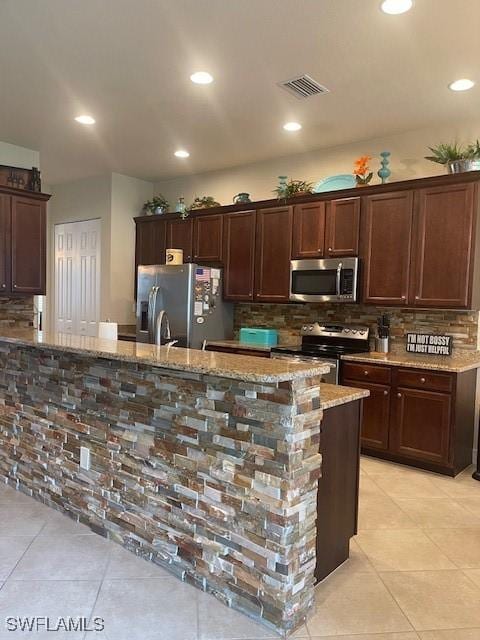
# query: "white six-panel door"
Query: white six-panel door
{"points": [[77, 277]]}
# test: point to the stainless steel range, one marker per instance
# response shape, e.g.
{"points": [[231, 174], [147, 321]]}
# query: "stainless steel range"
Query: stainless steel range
{"points": [[326, 343]]}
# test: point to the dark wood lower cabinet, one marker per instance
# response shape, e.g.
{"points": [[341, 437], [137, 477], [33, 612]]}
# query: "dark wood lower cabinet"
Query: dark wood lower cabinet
{"points": [[376, 414], [337, 497], [421, 418], [421, 425]]}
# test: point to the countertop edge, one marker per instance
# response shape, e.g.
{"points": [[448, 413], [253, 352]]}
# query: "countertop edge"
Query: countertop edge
{"points": [[393, 361], [288, 376], [336, 395]]}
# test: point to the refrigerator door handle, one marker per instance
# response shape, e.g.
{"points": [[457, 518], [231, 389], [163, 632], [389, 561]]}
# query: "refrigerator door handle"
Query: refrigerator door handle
{"points": [[152, 302]]}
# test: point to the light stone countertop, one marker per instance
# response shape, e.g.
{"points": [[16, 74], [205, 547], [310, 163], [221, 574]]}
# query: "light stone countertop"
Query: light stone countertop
{"points": [[223, 365], [456, 363], [333, 395]]}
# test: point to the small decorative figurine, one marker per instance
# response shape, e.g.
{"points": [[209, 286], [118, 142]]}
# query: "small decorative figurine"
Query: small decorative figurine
{"points": [[362, 172], [384, 172]]}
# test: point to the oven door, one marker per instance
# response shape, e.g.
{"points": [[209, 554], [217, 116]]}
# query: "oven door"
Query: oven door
{"points": [[330, 280], [331, 377]]}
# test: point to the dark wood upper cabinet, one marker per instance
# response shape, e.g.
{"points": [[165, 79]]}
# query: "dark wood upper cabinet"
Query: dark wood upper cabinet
{"points": [[150, 242], [180, 236], [273, 250], [444, 233], [5, 235], [386, 247], [421, 427], [207, 238], [28, 257], [239, 255], [342, 227], [308, 230]]}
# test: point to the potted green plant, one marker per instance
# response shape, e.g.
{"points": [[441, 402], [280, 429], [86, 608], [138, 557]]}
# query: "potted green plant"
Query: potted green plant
{"points": [[293, 188], [158, 205], [205, 202], [457, 158]]}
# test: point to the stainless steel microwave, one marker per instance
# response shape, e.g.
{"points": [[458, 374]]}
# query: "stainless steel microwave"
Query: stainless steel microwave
{"points": [[329, 280]]}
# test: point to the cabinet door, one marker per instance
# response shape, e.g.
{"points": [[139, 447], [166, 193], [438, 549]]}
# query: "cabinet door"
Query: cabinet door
{"points": [[342, 227], [443, 252], [308, 230], [375, 415], [421, 425], [5, 204], [239, 255], [180, 236], [28, 246], [386, 247], [273, 250], [150, 242], [207, 238]]}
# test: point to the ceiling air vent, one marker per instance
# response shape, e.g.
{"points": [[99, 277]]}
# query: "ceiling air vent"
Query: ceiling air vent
{"points": [[303, 87]]}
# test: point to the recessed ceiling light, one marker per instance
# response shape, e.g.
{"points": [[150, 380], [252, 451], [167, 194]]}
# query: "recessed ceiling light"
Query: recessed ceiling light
{"points": [[201, 77], [461, 85], [85, 119], [181, 153], [292, 126], [396, 7]]}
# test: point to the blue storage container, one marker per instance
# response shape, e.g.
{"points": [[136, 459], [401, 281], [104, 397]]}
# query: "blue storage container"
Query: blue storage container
{"points": [[263, 337]]}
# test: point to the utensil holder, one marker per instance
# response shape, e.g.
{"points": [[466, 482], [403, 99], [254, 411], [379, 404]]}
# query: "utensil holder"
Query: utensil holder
{"points": [[382, 345]]}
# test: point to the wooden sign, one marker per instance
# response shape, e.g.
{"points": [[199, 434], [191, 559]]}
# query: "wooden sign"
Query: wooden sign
{"points": [[429, 344]]}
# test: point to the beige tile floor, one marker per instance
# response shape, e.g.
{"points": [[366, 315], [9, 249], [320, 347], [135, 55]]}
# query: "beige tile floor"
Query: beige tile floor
{"points": [[413, 574]]}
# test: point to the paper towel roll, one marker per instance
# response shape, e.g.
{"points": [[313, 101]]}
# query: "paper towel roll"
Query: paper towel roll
{"points": [[108, 330]]}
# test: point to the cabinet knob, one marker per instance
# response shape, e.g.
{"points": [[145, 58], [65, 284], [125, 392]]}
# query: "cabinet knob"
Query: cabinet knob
{"points": [[4, 285], [14, 286], [422, 379], [385, 393], [329, 248], [417, 297], [399, 395], [365, 373], [404, 297]]}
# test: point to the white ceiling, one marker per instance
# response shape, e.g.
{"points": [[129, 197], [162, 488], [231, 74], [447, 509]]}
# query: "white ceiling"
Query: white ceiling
{"points": [[128, 62]]}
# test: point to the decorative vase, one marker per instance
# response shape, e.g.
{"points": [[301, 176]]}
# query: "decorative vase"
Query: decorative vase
{"points": [[241, 197], [282, 186], [384, 172], [462, 166], [181, 207]]}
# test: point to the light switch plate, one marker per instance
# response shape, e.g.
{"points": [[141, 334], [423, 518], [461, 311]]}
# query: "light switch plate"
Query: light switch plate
{"points": [[85, 458]]}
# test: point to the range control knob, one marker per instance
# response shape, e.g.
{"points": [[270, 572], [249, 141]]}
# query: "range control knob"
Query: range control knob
{"points": [[310, 328], [304, 328], [347, 330]]}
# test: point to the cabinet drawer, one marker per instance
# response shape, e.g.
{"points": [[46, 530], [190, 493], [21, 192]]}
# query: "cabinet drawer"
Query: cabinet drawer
{"points": [[370, 372], [422, 379]]}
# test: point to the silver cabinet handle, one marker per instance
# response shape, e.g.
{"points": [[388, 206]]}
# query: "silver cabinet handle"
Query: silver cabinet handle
{"points": [[399, 395], [422, 379], [404, 297], [329, 248], [417, 297], [385, 393], [365, 373]]}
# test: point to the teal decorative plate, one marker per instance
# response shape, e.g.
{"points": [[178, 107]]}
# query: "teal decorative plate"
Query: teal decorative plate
{"points": [[334, 183]]}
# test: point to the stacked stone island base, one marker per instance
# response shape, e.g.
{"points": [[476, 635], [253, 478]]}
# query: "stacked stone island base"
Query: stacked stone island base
{"points": [[212, 477]]}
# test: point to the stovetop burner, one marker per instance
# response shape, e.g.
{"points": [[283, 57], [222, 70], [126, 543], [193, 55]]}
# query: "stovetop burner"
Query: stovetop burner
{"points": [[329, 340]]}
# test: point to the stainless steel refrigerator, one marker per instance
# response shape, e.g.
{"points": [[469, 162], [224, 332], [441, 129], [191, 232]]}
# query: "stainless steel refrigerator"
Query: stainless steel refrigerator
{"points": [[182, 305]]}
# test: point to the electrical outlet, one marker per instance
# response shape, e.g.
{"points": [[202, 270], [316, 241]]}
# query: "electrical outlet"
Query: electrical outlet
{"points": [[85, 458]]}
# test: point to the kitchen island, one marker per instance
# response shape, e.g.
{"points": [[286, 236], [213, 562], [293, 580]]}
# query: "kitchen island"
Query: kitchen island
{"points": [[204, 463]]}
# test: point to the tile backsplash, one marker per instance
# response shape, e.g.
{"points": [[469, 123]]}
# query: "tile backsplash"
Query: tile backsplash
{"points": [[16, 312], [288, 319]]}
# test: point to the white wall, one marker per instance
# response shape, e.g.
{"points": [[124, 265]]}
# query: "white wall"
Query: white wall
{"points": [[128, 197], [71, 202], [259, 179], [11, 154], [115, 199]]}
